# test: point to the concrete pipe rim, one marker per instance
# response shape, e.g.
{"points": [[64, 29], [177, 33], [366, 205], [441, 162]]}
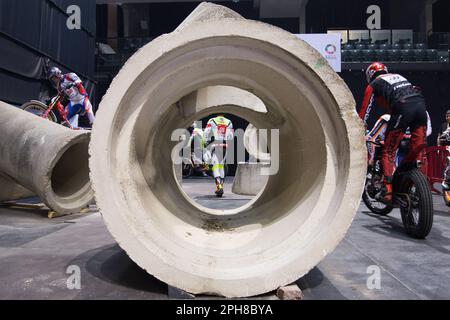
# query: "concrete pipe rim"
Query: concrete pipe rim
{"points": [[69, 187], [178, 264]]}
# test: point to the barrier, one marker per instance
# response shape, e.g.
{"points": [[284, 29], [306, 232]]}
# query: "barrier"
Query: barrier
{"points": [[435, 165]]}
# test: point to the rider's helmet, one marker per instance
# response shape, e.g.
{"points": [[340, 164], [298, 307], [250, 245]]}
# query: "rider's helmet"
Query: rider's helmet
{"points": [[374, 70], [54, 75]]}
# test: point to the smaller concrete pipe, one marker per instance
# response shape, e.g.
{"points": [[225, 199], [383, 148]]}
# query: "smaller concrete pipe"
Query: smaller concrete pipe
{"points": [[11, 190], [45, 158], [248, 179]]}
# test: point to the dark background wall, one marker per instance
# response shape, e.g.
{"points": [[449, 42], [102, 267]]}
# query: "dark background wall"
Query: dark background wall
{"points": [[165, 17], [343, 14], [33, 35], [398, 14], [441, 16]]}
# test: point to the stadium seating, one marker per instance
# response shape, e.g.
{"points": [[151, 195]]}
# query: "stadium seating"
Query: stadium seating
{"points": [[381, 50], [420, 55], [385, 46], [420, 46], [432, 55]]}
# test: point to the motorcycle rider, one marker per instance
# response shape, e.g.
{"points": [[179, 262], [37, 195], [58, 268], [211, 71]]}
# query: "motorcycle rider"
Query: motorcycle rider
{"points": [[406, 105], [73, 89], [197, 143], [218, 131], [377, 135], [442, 141]]}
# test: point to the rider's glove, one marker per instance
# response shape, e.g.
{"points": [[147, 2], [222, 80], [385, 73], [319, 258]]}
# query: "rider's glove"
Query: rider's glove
{"points": [[67, 86]]}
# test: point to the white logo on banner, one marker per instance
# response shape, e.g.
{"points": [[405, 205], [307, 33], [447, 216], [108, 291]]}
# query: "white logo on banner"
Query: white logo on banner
{"points": [[328, 45]]}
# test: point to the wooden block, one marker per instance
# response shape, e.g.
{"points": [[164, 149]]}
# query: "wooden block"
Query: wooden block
{"points": [[54, 214], [85, 210], [291, 292]]}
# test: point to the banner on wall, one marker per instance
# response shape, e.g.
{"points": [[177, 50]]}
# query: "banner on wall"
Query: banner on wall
{"points": [[329, 46]]}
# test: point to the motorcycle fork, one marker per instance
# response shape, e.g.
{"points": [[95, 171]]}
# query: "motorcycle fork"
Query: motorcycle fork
{"points": [[46, 113]]}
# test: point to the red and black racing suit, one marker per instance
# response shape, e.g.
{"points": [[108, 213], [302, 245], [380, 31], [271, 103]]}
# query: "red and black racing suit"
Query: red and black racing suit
{"points": [[406, 105]]}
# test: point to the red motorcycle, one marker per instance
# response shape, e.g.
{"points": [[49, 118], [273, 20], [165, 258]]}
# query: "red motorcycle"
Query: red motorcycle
{"points": [[47, 111]]}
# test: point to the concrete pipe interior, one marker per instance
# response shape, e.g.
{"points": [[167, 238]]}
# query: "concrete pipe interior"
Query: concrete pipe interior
{"points": [[210, 101], [303, 212], [70, 174]]}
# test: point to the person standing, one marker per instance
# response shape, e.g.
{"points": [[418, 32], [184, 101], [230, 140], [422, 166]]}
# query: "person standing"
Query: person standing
{"points": [[218, 131]]}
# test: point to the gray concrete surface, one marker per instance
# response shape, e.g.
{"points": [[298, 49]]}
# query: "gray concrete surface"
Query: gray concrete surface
{"points": [[35, 253]]}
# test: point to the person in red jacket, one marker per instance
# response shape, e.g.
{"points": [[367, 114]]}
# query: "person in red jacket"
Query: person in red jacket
{"points": [[72, 86], [406, 105]]}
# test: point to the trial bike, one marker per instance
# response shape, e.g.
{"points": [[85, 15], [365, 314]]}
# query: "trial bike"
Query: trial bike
{"points": [[411, 195], [47, 111]]}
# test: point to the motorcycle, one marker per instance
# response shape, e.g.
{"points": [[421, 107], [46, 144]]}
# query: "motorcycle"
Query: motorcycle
{"points": [[47, 111], [411, 194], [192, 168]]}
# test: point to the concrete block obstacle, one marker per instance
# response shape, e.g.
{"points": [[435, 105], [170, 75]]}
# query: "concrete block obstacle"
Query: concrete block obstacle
{"points": [[248, 179], [305, 208], [47, 159]]}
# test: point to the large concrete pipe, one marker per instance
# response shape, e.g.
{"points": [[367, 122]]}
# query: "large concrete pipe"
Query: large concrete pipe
{"points": [[305, 209], [46, 158]]}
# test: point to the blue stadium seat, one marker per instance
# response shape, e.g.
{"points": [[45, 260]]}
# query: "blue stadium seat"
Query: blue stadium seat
{"points": [[348, 47], [345, 55], [406, 55], [407, 46], [355, 55], [420, 55], [393, 55], [381, 55], [372, 46], [367, 55], [397, 46], [385, 46], [360, 46], [432, 55], [420, 46]]}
